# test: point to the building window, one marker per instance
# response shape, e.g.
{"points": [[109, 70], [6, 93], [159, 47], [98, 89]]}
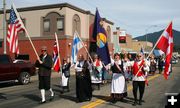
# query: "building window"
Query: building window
{"points": [[46, 25], [76, 24], [60, 24], [51, 23]]}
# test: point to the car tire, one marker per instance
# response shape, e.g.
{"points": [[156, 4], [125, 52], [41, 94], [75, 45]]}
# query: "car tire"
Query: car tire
{"points": [[24, 78]]}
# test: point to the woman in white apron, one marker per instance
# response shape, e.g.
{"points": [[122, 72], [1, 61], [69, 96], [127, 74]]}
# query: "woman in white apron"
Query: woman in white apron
{"points": [[118, 85], [65, 75]]}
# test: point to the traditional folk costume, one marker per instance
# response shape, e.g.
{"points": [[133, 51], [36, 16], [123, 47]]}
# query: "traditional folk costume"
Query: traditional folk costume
{"points": [[96, 75], [118, 84], [152, 67], [83, 81], [65, 76], [44, 74], [139, 79], [127, 70]]}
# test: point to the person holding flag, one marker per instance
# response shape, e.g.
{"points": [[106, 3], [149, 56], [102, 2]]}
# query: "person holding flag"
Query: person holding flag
{"points": [[44, 63], [140, 69], [118, 83], [65, 74], [83, 79]]}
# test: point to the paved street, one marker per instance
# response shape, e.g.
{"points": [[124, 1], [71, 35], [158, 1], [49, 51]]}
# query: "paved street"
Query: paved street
{"points": [[13, 95]]}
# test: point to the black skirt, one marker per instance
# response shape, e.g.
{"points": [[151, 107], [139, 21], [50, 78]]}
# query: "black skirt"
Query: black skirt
{"points": [[44, 82], [83, 88]]}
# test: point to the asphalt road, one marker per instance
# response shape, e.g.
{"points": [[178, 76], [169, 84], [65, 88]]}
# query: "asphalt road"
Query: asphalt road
{"points": [[13, 95]]}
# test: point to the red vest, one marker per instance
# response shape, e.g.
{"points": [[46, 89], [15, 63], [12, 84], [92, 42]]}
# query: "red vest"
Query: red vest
{"points": [[136, 68]]}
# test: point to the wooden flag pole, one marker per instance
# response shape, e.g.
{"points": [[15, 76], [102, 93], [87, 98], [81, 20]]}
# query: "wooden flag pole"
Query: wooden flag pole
{"points": [[18, 16], [57, 43], [84, 47]]}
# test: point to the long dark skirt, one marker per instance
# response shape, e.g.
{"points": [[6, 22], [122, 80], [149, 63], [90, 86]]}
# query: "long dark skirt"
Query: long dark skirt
{"points": [[83, 88], [44, 82]]}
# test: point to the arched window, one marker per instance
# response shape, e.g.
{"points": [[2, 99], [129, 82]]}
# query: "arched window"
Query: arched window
{"points": [[53, 22], [108, 30], [76, 24]]}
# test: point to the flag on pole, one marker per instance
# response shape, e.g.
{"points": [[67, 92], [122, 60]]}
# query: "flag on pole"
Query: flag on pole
{"points": [[14, 27], [77, 45], [165, 44], [56, 55], [101, 39], [56, 58]]}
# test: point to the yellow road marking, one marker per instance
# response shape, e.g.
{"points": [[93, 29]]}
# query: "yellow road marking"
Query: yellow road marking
{"points": [[100, 101]]}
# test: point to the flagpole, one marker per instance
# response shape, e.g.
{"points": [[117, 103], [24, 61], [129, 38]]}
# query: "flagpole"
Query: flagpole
{"points": [[153, 48], [57, 43], [84, 47], [4, 26], [18, 16]]}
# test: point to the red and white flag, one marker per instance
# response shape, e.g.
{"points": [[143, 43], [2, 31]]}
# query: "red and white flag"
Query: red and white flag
{"points": [[56, 56], [14, 27], [165, 44]]}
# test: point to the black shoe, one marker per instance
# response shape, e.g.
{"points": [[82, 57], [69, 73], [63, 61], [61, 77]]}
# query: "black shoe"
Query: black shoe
{"points": [[42, 102], [51, 98], [79, 101], [140, 103], [113, 100], [135, 103], [68, 90]]}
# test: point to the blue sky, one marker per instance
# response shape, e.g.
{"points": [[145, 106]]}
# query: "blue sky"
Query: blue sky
{"points": [[137, 17]]}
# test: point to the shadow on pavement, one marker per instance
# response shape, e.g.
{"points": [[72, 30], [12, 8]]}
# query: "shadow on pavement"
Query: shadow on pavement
{"points": [[127, 100], [32, 97], [71, 98], [9, 84], [2, 96]]}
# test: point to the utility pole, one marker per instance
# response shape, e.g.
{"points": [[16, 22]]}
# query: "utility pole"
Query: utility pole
{"points": [[4, 25], [146, 35]]}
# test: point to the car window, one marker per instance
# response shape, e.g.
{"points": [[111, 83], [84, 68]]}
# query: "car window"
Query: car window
{"points": [[4, 59]]}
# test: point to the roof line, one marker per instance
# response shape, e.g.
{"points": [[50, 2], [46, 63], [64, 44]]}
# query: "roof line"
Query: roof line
{"points": [[54, 6]]}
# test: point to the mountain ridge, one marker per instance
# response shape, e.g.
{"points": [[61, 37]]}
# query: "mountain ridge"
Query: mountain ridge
{"points": [[153, 37]]}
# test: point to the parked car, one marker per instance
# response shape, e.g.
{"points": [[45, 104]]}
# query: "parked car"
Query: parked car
{"points": [[20, 70]]}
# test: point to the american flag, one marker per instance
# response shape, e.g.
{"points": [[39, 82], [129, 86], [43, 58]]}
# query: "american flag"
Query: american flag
{"points": [[14, 27], [56, 58]]}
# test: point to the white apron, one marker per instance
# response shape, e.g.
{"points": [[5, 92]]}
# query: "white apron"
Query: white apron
{"points": [[118, 85], [64, 80]]}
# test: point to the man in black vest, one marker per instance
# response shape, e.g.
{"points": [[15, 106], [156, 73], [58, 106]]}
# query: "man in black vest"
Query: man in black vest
{"points": [[44, 63]]}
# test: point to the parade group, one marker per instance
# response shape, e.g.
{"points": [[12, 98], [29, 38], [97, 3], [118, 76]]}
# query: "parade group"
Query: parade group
{"points": [[122, 69]]}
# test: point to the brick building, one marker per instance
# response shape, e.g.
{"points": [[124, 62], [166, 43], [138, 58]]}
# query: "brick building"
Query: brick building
{"points": [[130, 44], [42, 22]]}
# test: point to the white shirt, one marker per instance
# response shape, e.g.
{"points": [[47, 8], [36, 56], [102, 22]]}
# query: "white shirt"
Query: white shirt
{"points": [[81, 63]]}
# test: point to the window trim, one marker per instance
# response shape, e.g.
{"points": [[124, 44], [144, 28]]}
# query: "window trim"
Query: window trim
{"points": [[62, 20], [44, 29]]}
